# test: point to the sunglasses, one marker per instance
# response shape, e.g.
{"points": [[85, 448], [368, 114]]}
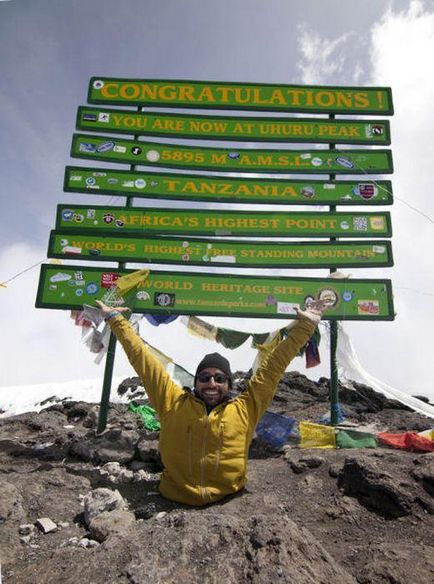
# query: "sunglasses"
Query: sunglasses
{"points": [[218, 377]]}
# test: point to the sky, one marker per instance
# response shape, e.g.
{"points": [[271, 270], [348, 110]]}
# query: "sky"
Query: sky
{"points": [[53, 48]]}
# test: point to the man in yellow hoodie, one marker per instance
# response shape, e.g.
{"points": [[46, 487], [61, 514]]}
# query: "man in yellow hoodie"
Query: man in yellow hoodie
{"points": [[205, 435]]}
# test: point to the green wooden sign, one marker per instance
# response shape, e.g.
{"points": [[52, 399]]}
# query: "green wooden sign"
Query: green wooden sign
{"points": [[241, 96], [113, 149], [230, 190], [223, 223], [69, 287], [218, 252], [264, 129]]}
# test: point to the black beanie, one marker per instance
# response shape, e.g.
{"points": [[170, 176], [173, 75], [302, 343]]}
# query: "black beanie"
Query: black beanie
{"points": [[218, 362]]}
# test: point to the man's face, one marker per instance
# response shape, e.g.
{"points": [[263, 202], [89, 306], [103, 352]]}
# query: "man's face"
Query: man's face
{"points": [[212, 385]]}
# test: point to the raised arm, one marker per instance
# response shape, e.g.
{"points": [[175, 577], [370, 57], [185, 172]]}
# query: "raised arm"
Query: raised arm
{"points": [[263, 384], [160, 388]]}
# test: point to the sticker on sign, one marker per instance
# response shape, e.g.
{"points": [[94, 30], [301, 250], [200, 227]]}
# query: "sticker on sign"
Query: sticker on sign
{"points": [[287, 307]]}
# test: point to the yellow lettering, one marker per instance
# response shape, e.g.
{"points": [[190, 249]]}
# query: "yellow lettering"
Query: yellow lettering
{"points": [[106, 90], [129, 91]]}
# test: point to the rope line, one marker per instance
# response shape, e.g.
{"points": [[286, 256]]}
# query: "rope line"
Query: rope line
{"points": [[415, 209], [3, 284]]}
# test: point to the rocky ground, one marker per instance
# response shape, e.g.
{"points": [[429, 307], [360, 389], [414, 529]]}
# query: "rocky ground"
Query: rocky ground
{"points": [[76, 507]]}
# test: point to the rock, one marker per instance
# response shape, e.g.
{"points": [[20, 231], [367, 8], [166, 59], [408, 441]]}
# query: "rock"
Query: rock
{"points": [[56, 450], [137, 465], [425, 475], [102, 500], [335, 470], [27, 529], [113, 445], [78, 411], [112, 468], [261, 549], [88, 543], [52, 398], [82, 449], [11, 502], [146, 512], [306, 463], [385, 567], [426, 504], [148, 451], [116, 474], [45, 524], [14, 447], [116, 446], [91, 419], [373, 401], [110, 523], [245, 538], [146, 477], [374, 488], [131, 384], [422, 398]]}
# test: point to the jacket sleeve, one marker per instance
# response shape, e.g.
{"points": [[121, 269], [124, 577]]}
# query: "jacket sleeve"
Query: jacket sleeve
{"points": [[262, 386], [160, 388]]}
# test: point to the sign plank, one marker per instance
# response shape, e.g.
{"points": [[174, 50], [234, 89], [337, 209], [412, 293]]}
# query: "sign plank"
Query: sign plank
{"points": [[190, 187], [264, 129], [223, 223], [218, 252], [241, 96], [69, 287], [113, 149]]}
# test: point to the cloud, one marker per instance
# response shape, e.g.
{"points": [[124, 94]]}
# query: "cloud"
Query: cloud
{"points": [[323, 60], [399, 44], [38, 345]]}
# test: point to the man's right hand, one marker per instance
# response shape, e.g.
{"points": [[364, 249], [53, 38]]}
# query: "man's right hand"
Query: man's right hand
{"points": [[314, 312]]}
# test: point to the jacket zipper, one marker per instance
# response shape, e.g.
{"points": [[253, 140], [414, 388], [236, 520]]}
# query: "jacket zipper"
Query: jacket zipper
{"points": [[203, 489], [190, 462], [220, 447]]}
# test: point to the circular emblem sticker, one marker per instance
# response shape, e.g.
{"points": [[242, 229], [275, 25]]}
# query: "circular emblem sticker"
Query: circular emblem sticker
{"points": [[308, 192], [98, 84], [329, 296], [108, 218], [140, 183], [79, 292], [92, 288], [142, 295], [67, 214], [316, 161], [347, 295], [153, 156], [163, 299]]}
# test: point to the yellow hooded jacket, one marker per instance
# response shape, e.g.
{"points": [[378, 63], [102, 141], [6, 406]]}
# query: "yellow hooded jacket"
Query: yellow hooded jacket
{"points": [[205, 455]]}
